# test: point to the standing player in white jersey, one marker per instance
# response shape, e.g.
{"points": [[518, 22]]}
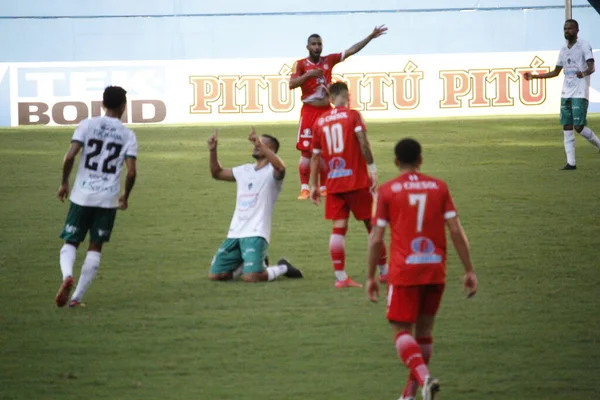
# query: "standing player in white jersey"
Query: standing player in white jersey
{"points": [[577, 59], [106, 144], [244, 252]]}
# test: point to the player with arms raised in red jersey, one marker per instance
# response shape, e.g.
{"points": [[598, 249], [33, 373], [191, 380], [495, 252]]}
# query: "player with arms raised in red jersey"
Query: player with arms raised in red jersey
{"points": [[418, 208], [340, 139], [313, 75]]}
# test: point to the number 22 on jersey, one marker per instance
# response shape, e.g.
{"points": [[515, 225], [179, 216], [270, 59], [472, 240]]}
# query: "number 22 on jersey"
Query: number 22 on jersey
{"points": [[334, 135], [97, 146]]}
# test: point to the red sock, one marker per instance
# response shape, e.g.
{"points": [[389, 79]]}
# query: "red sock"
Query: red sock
{"points": [[337, 250], [324, 171], [304, 171], [426, 345], [409, 351]]}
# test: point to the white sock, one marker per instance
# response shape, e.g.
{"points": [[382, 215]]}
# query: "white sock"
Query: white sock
{"points": [[305, 187], [590, 136], [570, 147], [276, 271], [88, 272], [383, 269], [68, 253], [239, 271], [340, 275]]}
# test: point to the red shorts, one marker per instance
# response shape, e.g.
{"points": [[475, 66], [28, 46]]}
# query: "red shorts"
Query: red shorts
{"points": [[308, 116], [339, 205], [407, 303]]}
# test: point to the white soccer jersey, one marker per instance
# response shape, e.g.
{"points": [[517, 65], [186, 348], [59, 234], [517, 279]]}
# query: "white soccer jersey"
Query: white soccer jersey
{"points": [[573, 60], [257, 192], [106, 142]]}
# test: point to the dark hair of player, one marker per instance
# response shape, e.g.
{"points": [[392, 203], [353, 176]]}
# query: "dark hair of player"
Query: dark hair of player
{"points": [[408, 151], [338, 88], [313, 36], [114, 97], [274, 141], [573, 22]]}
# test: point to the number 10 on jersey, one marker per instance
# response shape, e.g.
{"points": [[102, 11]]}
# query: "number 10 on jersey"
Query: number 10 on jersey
{"points": [[334, 135]]}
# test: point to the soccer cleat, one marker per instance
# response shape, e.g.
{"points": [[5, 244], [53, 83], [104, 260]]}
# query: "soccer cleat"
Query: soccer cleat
{"points": [[292, 272], [304, 195], [568, 167], [63, 293], [75, 303], [323, 193], [383, 278], [407, 398], [347, 283], [430, 388]]}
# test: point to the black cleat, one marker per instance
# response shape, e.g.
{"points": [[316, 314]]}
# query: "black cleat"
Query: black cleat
{"points": [[292, 272], [568, 167]]}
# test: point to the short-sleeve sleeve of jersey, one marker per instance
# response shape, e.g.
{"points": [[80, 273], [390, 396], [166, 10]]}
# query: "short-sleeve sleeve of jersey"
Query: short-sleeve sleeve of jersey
{"points": [[297, 69], [449, 207], [587, 52], [382, 212], [358, 122], [559, 62], [132, 147], [335, 58], [237, 172], [80, 131]]}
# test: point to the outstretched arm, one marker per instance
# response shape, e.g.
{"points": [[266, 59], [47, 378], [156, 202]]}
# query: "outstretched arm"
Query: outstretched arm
{"points": [[378, 31], [219, 173], [68, 162], [551, 74]]}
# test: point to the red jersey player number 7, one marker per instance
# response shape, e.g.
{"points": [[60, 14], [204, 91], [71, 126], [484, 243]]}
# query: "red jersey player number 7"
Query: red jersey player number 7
{"points": [[418, 208], [313, 75]]}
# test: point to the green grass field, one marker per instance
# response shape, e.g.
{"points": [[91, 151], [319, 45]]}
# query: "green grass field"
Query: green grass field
{"points": [[155, 329]]}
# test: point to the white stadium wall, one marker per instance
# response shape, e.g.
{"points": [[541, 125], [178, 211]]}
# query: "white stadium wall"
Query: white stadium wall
{"points": [[184, 61]]}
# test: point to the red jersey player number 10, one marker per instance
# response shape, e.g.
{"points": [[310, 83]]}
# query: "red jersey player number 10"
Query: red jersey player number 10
{"points": [[334, 136]]}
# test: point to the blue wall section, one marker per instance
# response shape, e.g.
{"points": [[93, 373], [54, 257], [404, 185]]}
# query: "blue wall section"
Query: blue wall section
{"points": [[72, 30]]}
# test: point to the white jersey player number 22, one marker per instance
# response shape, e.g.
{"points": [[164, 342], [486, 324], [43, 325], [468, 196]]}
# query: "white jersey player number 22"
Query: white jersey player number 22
{"points": [[92, 161]]}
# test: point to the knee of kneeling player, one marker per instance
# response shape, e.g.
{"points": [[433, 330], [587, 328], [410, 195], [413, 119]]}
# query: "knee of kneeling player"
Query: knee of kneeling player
{"points": [[254, 277], [219, 277]]}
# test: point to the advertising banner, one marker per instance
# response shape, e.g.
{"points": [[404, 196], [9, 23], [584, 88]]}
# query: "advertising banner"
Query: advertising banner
{"points": [[256, 90]]}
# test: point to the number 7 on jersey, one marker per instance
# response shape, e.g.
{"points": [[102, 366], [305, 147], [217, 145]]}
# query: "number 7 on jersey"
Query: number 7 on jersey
{"points": [[419, 200]]}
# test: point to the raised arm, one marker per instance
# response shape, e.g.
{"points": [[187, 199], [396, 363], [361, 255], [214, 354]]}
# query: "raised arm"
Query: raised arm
{"points": [[219, 173], [270, 155], [68, 162], [378, 31]]}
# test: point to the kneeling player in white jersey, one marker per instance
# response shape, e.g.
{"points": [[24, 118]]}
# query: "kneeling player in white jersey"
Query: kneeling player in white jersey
{"points": [[106, 144], [244, 252]]}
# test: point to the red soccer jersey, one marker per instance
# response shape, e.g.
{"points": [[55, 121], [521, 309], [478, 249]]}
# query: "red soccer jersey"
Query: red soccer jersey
{"points": [[416, 207], [316, 88], [334, 137]]}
